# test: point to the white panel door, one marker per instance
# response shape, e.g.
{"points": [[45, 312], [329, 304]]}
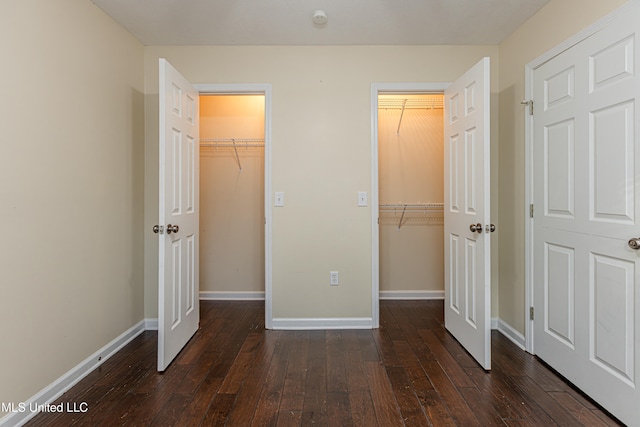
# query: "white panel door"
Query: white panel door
{"points": [[586, 198], [467, 219], [178, 286]]}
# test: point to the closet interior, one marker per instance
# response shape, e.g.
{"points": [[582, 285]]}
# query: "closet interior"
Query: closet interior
{"points": [[411, 194], [232, 194]]}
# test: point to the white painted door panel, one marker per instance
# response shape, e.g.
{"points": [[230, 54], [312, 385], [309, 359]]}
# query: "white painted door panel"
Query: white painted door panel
{"points": [[467, 201], [586, 196], [178, 275]]}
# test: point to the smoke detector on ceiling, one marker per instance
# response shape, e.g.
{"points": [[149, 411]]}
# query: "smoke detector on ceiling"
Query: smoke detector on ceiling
{"points": [[319, 17]]}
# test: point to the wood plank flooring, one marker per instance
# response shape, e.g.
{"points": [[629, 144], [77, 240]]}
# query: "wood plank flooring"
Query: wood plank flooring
{"points": [[409, 372]]}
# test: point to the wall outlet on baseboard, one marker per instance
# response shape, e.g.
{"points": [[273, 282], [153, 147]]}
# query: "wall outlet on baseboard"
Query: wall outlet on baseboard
{"points": [[333, 278]]}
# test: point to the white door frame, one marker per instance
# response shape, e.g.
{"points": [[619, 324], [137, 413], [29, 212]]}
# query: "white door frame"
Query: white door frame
{"points": [[376, 89], [528, 141], [261, 89]]}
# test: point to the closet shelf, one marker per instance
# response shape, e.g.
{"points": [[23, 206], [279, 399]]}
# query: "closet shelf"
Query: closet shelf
{"points": [[412, 206], [430, 103], [408, 211], [435, 103], [232, 142], [235, 143]]}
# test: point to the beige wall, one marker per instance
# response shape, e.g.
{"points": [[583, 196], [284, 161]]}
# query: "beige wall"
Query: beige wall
{"points": [[411, 170], [321, 156], [232, 200], [71, 179], [553, 24], [71, 187]]}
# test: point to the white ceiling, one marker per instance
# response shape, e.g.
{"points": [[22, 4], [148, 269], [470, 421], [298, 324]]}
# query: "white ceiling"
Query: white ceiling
{"points": [[350, 22]]}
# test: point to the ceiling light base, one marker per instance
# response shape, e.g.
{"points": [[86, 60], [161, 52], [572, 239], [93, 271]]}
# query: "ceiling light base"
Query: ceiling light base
{"points": [[319, 17]]}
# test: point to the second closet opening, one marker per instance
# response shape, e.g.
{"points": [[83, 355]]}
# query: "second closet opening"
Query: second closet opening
{"points": [[411, 195], [232, 257]]}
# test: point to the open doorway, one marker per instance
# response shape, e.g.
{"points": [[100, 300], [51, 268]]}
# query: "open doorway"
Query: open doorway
{"points": [[238, 92], [393, 92], [465, 205], [411, 193], [232, 183], [179, 204]]}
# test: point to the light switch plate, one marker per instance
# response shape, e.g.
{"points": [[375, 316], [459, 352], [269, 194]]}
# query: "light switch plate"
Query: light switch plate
{"points": [[363, 199], [279, 199]]}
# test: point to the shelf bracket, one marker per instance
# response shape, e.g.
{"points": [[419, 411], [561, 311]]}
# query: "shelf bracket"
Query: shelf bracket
{"points": [[404, 209], [235, 149], [404, 103]]}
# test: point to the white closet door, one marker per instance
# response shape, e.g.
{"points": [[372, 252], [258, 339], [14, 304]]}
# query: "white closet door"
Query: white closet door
{"points": [[178, 280], [467, 212], [587, 207]]}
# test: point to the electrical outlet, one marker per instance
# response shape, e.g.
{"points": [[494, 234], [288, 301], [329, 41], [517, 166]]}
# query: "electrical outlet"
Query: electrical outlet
{"points": [[333, 278]]}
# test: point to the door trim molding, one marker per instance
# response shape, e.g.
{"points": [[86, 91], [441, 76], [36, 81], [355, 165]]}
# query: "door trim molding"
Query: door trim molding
{"points": [[266, 90], [529, 70], [376, 89]]}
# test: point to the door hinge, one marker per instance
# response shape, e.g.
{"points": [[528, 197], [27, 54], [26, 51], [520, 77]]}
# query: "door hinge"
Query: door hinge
{"points": [[530, 104], [531, 210], [531, 313]]}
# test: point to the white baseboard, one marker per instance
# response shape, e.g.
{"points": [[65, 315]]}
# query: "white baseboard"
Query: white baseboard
{"points": [[329, 323], [411, 295], [259, 296], [235, 296], [54, 390], [151, 324], [494, 323], [508, 331]]}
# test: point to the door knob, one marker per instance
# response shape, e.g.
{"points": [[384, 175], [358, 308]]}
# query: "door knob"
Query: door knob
{"points": [[172, 228], [490, 228], [476, 228], [634, 243], [158, 229]]}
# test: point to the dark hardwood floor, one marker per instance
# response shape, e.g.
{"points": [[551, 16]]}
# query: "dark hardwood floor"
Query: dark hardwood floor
{"points": [[409, 372]]}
